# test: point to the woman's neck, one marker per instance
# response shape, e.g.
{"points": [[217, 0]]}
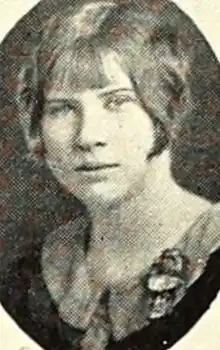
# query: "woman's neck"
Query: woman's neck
{"points": [[154, 219]]}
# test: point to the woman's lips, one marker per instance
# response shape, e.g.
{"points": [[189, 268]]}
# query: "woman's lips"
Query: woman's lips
{"points": [[95, 167], [96, 172]]}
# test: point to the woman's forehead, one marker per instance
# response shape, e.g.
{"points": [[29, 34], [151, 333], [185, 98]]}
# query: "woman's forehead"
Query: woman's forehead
{"points": [[74, 74]]}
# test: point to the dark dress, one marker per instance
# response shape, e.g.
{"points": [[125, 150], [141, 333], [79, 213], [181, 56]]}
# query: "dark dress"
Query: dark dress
{"points": [[25, 296]]}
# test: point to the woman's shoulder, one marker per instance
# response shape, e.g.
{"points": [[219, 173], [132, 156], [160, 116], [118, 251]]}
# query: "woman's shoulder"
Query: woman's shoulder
{"points": [[212, 238], [203, 236], [19, 268], [21, 258], [164, 332], [24, 294]]}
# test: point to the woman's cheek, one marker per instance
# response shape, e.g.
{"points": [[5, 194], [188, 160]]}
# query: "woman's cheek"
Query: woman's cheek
{"points": [[56, 134], [139, 139]]}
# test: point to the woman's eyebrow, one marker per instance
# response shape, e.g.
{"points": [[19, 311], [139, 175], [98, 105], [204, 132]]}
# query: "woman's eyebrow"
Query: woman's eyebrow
{"points": [[107, 91], [75, 101], [62, 101]]}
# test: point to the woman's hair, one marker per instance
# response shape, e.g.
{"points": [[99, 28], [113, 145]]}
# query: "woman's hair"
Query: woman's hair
{"points": [[146, 39]]}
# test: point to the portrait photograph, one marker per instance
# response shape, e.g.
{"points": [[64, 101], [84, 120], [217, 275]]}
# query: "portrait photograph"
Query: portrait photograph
{"points": [[110, 174]]}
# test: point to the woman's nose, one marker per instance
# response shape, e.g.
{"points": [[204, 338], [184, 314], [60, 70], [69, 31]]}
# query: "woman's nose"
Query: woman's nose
{"points": [[93, 131]]}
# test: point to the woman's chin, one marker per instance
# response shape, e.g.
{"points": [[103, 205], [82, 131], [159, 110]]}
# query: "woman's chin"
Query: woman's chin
{"points": [[100, 194]]}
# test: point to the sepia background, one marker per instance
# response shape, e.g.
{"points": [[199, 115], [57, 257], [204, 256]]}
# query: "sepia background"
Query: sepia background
{"points": [[206, 14]]}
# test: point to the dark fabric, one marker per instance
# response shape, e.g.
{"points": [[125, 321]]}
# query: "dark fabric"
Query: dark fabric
{"points": [[25, 297]]}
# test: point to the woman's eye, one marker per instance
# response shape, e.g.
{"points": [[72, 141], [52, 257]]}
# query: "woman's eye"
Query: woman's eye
{"points": [[66, 109], [59, 110], [113, 103]]}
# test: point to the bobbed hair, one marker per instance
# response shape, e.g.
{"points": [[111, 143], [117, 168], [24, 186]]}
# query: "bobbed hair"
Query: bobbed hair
{"points": [[148, 42]]}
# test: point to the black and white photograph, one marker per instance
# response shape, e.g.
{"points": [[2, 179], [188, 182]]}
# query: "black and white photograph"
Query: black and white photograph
{"points": [[110, 174]]}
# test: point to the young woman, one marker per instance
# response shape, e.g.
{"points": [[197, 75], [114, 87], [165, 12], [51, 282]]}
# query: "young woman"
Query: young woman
{"points": [[99, 98]]}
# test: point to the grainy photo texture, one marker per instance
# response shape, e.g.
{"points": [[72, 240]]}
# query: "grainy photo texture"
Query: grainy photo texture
{"points": [[110, 159]]}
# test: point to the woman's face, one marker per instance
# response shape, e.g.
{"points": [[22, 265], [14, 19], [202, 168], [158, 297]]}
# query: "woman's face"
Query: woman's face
{"points": [[97, 140]]}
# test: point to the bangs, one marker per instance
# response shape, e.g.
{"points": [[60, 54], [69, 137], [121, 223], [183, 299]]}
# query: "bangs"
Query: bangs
{"points": [[78, 68]]}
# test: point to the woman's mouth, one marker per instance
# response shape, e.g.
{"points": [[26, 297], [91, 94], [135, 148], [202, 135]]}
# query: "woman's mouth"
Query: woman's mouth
{"points": [[96, 172], [95, 167]]}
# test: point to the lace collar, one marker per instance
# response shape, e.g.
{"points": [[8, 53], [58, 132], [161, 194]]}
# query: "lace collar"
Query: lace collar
{"points": [[123, 310]]}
